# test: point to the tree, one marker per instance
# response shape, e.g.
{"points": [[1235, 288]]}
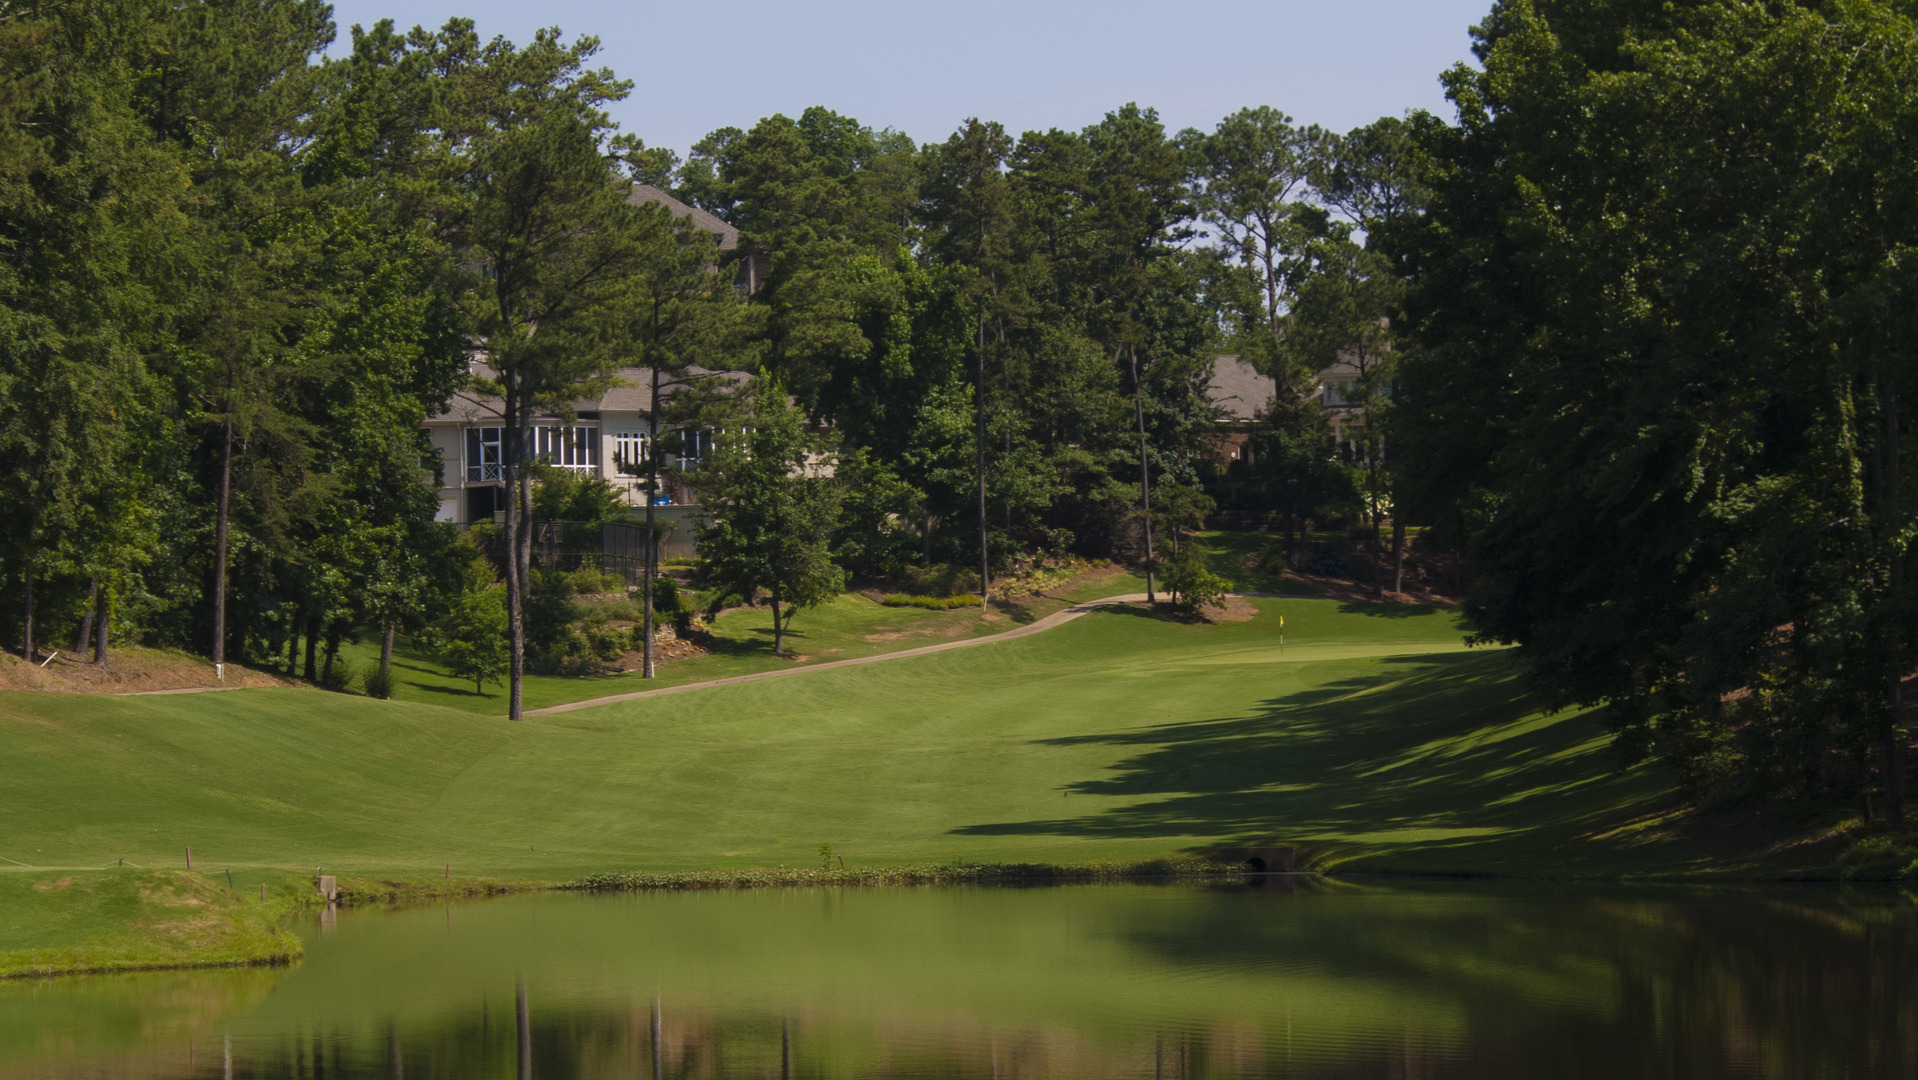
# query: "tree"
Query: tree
{"points": [[971, 198], [1346, 297], [548, 220], [685, 325], [1665, 314], [473, 638], [773, 512]]}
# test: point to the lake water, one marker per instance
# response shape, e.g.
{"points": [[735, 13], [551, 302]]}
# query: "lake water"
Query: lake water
{"points": [[1345, 978]]}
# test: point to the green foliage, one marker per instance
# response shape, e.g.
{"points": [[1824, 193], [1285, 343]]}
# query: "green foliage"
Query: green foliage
{"points": [[337, 675], [1667, 324], [472, 637], [1190, 580], [572, 496], [550, 614], [772, 514], [378, 682], [930, 603]]}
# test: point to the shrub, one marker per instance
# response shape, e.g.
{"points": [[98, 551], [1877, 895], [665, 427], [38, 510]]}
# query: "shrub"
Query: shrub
{"points": [[938, 580], [550, 614], [930, 603], [379, 683], [337, 676], [606, 643], [589, 581]]}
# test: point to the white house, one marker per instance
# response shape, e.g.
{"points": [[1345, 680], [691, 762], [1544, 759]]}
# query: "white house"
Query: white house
{"points": [[604, 432]]}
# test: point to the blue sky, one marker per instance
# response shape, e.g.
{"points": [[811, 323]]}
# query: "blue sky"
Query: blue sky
{"points": [[924, 67]]}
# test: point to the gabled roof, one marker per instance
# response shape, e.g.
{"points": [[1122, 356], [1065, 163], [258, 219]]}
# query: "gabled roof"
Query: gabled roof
{"points": [[1237, 390], [634, 394], [643, 194]]}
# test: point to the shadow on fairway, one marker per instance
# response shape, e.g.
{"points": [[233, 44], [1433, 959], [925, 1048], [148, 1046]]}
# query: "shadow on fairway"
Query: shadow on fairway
{"points": [[1382, 610], [1442, 750]]}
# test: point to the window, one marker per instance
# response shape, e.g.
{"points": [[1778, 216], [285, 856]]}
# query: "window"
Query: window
{"points": [[629, 448], [569, 447], [482, 454]]}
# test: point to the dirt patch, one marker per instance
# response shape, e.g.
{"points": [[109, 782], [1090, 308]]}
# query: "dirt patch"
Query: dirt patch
{"points": [[128, 671], [1236, 609], [946, 632], [49, 886]]}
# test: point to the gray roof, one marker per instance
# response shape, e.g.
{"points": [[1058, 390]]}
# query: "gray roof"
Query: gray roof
{"points": [[642, 194], [634, 395], [1238, 391]]}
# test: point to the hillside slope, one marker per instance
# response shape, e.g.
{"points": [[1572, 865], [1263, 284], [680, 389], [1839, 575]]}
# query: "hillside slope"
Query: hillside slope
{"points": [[1373, 737]]}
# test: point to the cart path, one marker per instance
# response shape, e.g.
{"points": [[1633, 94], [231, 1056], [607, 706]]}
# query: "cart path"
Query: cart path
{"points": [[1057, 618]]}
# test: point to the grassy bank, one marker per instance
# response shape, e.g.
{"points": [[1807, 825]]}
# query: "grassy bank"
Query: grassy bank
{"points": [[135, 919]]}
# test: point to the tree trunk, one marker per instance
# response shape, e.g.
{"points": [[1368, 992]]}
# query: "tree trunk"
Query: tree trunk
{"points": [[103, 624], [293, 644], [219, 543], [1398, 554], [312, 648], [979, 409], [652, 538], [1378, 540], [386, 653], [1145, 473], [515, 527], [779, 629], [86, 621], [1891, 743], [26, 615]]}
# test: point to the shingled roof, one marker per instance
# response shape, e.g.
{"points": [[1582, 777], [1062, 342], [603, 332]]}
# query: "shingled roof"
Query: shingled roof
{"points": [[644, 194], [1237, 390]]}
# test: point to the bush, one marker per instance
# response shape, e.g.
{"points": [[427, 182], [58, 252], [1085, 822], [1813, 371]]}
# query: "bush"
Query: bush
{"points": [[589, 581], [606, 643], [379, 683], [930, 603], [550, 614], [337, 676], [1188, 577], [939, 580]]}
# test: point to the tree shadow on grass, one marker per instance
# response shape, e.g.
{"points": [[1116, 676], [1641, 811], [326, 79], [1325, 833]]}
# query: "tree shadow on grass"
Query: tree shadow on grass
{"points": [[1438, 751], [1380, 609], [455, 691]]}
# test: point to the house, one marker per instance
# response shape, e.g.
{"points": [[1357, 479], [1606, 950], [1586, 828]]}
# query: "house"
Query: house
{"points": [[1241, 395], [604, 432]]}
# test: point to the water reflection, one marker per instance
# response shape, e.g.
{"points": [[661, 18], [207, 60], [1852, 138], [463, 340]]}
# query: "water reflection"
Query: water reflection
{"points": [[1334, 980]]}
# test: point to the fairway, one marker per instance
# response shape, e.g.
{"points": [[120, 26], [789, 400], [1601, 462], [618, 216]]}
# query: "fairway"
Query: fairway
{"points": [[1374, 737]]}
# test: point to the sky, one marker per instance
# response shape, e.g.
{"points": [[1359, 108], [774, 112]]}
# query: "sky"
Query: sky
{"points": [[924, 66]]}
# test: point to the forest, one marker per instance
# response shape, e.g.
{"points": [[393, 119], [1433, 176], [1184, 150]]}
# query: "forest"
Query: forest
{"points": [[1629, 333]]}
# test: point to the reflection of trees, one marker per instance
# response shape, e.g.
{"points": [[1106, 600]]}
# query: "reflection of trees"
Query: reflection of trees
{"points": [[1658, 982], [1333, 979]]}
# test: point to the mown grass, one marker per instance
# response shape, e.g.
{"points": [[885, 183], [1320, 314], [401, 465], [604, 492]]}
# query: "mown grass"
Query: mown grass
{"points": [[848, 627], [1373, 737], [134, 919]]}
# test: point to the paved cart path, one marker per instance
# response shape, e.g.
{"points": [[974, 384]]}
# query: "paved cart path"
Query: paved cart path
{"points": [[1057, 618]]}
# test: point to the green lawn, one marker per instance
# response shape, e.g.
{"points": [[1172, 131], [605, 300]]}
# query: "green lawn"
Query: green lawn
{"points": [[1375, 738], [851, 626], [130, 918]]}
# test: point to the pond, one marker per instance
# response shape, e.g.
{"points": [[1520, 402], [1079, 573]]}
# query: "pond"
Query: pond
{"points": [[1280, 978]]}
